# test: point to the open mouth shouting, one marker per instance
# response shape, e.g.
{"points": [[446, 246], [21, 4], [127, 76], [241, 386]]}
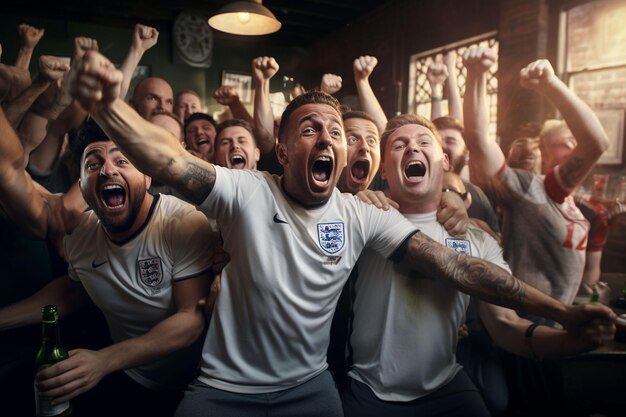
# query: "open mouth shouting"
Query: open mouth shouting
{"points": [[414, 171], [203, 141], [360, 170], [237, 161], [113, 196], [322, 173]]}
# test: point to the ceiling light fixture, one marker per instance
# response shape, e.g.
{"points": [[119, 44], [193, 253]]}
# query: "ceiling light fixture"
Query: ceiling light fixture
{"points": [[245, 18]]}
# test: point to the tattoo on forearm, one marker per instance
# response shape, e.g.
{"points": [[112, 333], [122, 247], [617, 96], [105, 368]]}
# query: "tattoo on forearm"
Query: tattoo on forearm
{"points": [[471, 275], [571, 172], [196, 181]]}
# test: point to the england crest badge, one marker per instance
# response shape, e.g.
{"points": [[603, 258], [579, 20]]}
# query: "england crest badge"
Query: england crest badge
{"points": [[150, 271], [459, 245], [331, 236]]}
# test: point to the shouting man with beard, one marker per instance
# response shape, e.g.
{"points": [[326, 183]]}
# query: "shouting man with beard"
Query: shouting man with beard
{"points": [[143, 260]]}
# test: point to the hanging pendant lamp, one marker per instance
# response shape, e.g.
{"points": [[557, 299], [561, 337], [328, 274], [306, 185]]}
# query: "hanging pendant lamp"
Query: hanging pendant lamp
{"points": [[245, 18]]}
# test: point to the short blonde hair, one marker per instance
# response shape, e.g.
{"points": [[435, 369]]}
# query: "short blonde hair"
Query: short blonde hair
{"points": [[402, 120], [548, 127]]}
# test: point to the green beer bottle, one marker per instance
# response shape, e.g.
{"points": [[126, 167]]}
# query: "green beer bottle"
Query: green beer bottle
{"points": [[50, 352]]}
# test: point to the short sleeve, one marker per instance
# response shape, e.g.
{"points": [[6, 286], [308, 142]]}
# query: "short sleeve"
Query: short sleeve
{"points": [[192, 245]]}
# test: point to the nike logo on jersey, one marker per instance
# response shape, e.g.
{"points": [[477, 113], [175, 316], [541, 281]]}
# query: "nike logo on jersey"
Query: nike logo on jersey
{"points": [[96, 265], [277, 220]]}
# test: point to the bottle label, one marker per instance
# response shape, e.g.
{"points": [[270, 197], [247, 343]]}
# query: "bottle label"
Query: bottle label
{"points": [[45, 408]]}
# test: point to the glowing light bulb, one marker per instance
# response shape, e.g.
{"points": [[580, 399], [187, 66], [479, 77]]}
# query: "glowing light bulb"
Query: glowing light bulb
{"points": [[244, 17]]}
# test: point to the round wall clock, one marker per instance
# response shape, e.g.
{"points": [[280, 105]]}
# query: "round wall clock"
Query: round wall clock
{"points": [[193, 40]]}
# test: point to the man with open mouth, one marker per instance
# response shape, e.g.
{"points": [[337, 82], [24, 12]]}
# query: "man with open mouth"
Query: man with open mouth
{"points": [[143, 260], [405, 329], [265, 349], [235, 146], [200, 135]]}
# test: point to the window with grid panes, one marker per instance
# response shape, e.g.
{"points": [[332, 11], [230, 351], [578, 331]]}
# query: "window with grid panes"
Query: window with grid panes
{"points": [[419, 88]]}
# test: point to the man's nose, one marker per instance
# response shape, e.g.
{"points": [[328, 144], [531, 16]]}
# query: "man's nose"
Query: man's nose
{"points": [[108, 168]]}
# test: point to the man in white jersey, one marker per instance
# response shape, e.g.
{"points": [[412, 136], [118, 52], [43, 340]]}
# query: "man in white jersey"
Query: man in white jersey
{"points": [[265, 350], [143, 260], [545, 234], [405, 327], [235, 145]]}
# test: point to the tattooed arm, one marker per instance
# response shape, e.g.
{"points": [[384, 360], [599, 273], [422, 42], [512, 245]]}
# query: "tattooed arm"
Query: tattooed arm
{"points": [[152, 149], [493, 284], [580, 119]]}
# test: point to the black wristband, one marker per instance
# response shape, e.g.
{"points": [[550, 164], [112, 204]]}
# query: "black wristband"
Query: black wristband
{"points": [[528, 339]]}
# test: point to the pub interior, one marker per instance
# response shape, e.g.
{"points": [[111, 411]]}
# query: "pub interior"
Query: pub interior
{"points": [[316, 45]]}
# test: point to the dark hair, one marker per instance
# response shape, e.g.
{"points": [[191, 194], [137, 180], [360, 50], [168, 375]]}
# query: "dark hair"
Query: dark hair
{"points": [[198, 116], [312, 97], [88, 133], [403, 120], [447, 122], [357, 114], [231, 123]]}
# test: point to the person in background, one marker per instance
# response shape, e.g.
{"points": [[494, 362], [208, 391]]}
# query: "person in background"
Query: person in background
{"points": [[186, 103], [200, 136], [291, 311], [152, 95], [548, 253], [235, 147]]}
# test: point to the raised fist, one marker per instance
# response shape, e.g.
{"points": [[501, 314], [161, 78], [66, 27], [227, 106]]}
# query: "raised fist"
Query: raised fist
{"points": [[226, 95], [537, 75], [144, 37], [83, 44], [331, 83], [437, 72], [479, 59], [96, 82], [363, 66], [264, 67], [52, 68], [29, 35]]}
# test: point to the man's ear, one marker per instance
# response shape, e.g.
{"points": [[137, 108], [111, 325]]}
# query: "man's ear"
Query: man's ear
{"points": [[468, 201], [281, 153], [445, 162], [148, 182]]}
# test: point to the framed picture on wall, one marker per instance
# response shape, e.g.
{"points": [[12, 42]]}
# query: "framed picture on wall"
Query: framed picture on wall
{"points": [[613, 122], [240, 80]]}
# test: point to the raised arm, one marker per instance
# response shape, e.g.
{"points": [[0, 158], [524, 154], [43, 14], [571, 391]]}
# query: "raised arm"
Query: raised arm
{"points": [[30, 37], [437, 73], [509, 331], [51, 70], [362, 68], [144, 38], [22, 203], [47, 153], [151, 148], [455, 107], [582, 122], [487, 157], [227, 95], [263, 69], [493, 284]]}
